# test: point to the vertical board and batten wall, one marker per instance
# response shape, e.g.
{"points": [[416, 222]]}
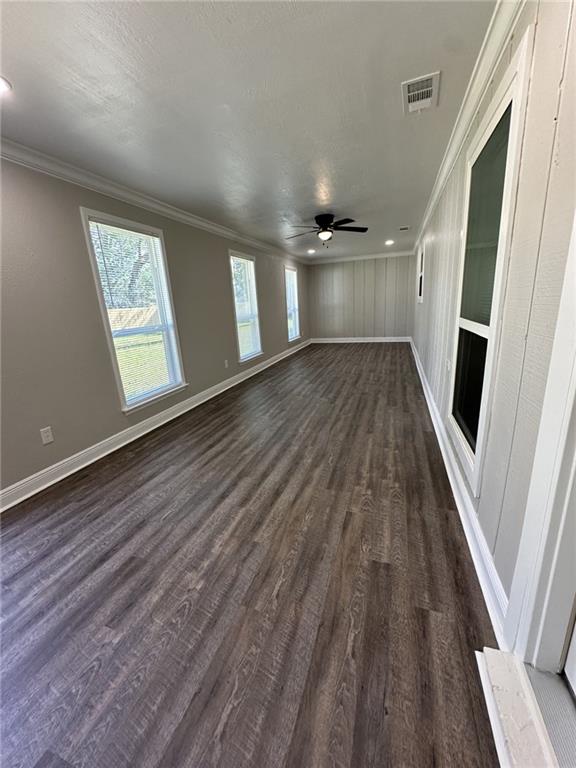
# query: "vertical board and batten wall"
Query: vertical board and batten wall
{"points": [[533, 276], [370, 298]]}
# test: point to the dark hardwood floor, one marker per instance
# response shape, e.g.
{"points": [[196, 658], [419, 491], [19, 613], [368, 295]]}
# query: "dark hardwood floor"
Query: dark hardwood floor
{"points": [[278, 578]]}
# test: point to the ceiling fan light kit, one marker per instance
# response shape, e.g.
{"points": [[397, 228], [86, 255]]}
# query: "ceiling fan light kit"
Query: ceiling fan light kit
{"points": [[326, 226]]}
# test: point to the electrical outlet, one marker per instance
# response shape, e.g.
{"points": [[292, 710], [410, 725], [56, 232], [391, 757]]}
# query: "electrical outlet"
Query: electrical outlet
{"points": [[46, 435], [225, 363], [448, 364]]}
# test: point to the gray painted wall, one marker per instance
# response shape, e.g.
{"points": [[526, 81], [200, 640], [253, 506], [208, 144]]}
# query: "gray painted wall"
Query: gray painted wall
{"points": [[372, 297], [544, 211], [56, 367]]}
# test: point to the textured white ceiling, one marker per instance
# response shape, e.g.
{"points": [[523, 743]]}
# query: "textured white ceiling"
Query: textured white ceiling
{"points": [[253, 115]]}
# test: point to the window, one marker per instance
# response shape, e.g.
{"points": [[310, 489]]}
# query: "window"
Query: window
{"points": [[291, 277], [246, 306], [475, 333], [471, 362], [128, 264], [421, 276]]}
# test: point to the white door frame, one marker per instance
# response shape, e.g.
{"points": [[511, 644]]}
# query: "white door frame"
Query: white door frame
{"points": [[540, 610]]}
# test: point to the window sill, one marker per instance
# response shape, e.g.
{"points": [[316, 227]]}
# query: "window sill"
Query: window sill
{"points": [[250, 357], [296, 338], [159, 396]]}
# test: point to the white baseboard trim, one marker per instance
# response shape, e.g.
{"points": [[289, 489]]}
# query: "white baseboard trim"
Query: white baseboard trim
{"points": [[520, 734], [29, 486], [360, 339], [492, 589]]}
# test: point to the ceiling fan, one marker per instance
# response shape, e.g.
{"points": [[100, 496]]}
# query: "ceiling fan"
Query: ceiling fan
{"points": [[326, 226]]}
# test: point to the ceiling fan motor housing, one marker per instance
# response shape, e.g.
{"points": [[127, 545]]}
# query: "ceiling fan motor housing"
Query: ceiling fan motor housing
{"points": [[326, 226], [324, 220]]}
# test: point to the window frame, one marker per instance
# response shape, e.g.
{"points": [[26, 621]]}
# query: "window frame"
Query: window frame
{"points": [[246, 257], [88, 215], [420, 274], [511, 90], [289, 268]]}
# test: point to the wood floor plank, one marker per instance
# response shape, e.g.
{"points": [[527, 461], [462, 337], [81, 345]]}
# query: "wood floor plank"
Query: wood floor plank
{"points": [[50, 760], [332, 663], [370, 745], [278, 578]]}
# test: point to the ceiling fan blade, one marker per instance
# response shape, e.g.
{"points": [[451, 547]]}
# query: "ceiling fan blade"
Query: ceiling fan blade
{"points": [[291, 237], [301, 226], [351, 229], [342, 222]]}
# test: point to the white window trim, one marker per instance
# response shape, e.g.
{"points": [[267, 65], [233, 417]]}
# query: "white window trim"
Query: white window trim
{"points": [[247, 257], [290, 268], [87, 215], [474, 327], [512, 88]]}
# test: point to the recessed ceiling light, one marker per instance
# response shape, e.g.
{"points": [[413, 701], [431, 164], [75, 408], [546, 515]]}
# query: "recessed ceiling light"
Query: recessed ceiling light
{"points": [[325, 234], [5, 85], [311, 250], [389, 242]]}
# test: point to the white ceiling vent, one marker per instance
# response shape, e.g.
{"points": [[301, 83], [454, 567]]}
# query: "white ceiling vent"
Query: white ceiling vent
{"points": [[420, 93]]}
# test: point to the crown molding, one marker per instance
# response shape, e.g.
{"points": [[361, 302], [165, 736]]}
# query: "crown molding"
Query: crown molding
{"points": [[38, 161], [495, 42], [367, 257]]}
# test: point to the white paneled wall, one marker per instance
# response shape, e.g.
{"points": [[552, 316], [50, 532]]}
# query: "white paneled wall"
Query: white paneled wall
{"points": [[534, 276], [367, 298], [545, 238]]}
